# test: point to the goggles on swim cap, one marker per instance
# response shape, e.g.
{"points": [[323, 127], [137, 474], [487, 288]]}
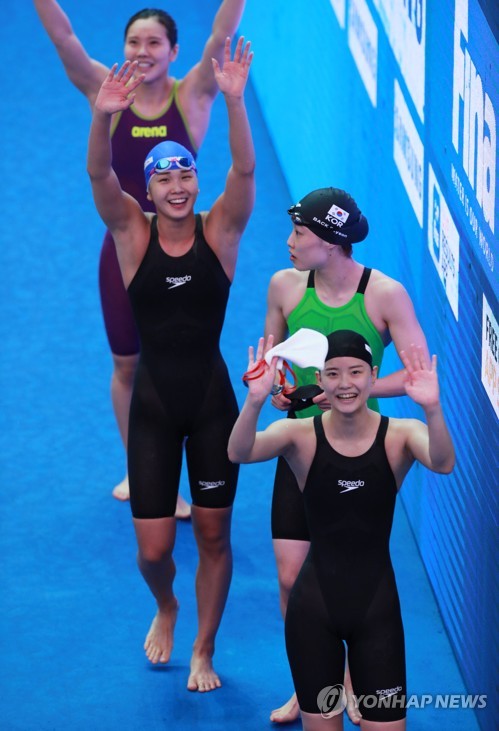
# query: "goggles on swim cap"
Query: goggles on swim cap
{"points": [[298, 219], [167, 156], [173, 163], [332, 215]]}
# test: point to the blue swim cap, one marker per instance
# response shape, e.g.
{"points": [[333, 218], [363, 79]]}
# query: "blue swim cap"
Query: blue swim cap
{"points": [[167, 156]]}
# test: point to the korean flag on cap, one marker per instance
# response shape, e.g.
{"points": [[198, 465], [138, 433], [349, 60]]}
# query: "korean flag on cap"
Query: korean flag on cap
{"points": [[338, 213]]}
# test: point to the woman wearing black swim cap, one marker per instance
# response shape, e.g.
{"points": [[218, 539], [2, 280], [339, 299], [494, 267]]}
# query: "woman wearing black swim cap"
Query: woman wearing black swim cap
{"points": [[349, 463], [326, 290]]}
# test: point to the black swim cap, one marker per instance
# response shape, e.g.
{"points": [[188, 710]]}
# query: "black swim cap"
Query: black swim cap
{"points": [[303, 397], [332, 214], [347, 343]]}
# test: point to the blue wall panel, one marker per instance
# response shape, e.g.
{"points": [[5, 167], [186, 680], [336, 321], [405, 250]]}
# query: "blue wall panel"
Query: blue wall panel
{"points": [[396, 101]]}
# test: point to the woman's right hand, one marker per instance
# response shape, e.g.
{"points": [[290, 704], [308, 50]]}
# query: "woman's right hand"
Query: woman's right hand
{"points": [[261, 384], [117, 92]]}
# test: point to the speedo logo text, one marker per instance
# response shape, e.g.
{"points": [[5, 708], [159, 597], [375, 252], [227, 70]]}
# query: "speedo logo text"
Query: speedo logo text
{"points": [[350, 485], [177, 281], [204, 485]]}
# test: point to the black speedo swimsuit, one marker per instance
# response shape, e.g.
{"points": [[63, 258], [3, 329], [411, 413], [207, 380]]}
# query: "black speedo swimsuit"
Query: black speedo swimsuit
{"points": [[346, 588], [182, 388]]}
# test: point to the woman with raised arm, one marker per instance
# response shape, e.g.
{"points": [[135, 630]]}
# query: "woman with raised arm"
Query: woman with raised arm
{"points": [[349, 463], [327, 289], [164, 108], [177, 266]]}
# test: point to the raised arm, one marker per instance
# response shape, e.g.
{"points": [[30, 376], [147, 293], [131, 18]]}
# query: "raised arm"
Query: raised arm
{"points": [[275, 322], [229, 215], [200, 81], [431, 444], [120, 212], [397, 310], [245, 443], [84, 72]]}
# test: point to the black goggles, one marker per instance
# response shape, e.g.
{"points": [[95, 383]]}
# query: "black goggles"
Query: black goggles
{"points": [[298, 219]]}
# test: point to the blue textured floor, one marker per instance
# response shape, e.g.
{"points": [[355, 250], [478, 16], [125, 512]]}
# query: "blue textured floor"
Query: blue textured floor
{"points": [[74, 609]]}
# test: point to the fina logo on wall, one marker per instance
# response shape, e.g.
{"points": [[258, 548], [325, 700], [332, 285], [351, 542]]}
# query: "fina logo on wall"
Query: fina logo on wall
{"points": [[363, 44], [490, 355], [408, 153], [339, 10], [473, 135], [443, 242], [405, 26]]}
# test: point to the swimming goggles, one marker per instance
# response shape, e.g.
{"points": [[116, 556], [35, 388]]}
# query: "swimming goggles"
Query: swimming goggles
{"points": [[259, 370], [173, 163], [298, 219], [306, 348]]}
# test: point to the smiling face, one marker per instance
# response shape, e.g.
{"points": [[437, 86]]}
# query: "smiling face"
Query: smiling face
{"points": [[174, 192], [347, 383], [147, 42]]}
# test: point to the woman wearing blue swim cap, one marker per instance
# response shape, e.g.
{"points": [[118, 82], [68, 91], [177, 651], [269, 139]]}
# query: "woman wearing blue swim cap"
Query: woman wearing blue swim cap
{"points": [[164, 107], [178, 267]]}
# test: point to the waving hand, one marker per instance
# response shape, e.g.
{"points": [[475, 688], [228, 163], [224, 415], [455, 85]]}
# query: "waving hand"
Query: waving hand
{"points": [[232, 77], [117, 92], [421, 381], [260, 377]]}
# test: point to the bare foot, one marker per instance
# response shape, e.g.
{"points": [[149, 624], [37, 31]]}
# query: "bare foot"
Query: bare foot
{"points": [[287, 713], [202, 678], [183, 509], [122, 491], [159, 640]]}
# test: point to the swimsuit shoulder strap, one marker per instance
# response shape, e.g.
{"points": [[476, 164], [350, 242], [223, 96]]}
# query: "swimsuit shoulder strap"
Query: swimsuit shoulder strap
{"points": [[318, 428], [364, 280], [382, 429]]}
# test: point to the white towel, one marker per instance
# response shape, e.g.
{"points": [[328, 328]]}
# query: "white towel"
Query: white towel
{"points": [[306, 348]]}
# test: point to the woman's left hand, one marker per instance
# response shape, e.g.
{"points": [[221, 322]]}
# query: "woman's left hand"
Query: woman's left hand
{"points": [[232, 78]]}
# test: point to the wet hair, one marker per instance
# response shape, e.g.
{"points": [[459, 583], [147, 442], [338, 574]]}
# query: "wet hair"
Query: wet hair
{"points": [[162, 17]]}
